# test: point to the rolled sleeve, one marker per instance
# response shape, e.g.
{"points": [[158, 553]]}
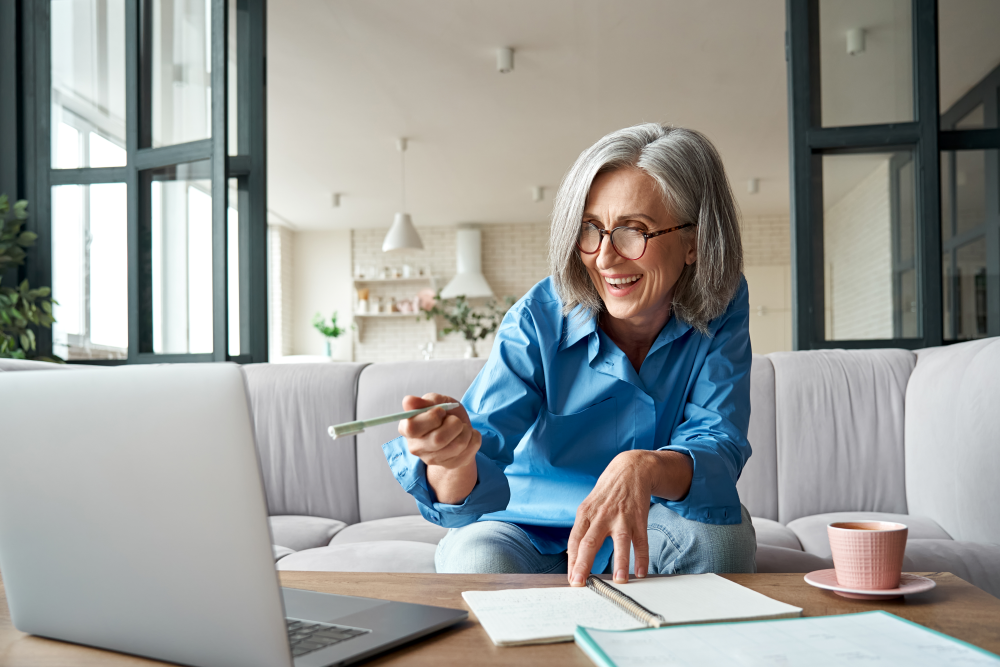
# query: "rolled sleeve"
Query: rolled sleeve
{"points": [[716, 419], [490, 494]]}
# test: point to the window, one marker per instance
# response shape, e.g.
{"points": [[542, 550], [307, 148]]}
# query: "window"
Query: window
{"points": [[147, 184], [895, 176]]}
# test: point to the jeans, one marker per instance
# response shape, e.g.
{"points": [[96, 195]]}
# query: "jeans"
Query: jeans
{"points": [[676, 546]]}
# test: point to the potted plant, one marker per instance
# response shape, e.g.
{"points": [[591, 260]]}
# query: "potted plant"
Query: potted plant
{"points": [[330, 331], [473, 322], [21, 307]]}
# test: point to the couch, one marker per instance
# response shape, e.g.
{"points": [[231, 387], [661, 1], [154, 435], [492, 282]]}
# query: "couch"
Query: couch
{"points": [[881, 434]]}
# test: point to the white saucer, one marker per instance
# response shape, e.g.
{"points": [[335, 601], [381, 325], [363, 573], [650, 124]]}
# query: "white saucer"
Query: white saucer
{"points": [[908, 585]]}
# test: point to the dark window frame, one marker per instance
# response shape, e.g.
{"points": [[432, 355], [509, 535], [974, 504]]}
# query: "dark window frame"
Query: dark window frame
{"points": [[32, 177], [809, 141]]}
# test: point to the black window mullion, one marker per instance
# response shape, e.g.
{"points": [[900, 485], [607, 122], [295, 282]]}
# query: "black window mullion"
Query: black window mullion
{"points": [[38, 107], [256, 100], [928, 178], [220, 181], [88, 175], [135, 39]]}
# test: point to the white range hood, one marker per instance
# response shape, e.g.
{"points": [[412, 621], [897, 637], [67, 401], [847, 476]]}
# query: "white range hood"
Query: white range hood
{"points": [[469, 281]]}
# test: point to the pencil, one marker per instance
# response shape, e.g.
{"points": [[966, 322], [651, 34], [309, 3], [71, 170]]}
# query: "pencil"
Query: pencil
{"points": [[353, 428]]}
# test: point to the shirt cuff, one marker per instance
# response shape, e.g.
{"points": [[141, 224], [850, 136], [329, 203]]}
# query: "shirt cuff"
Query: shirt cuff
{"points": [[712, 497], [490, 494]]}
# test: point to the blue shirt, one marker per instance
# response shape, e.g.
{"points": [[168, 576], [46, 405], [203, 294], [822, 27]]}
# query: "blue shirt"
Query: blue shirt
{"points": [[557, 400]]}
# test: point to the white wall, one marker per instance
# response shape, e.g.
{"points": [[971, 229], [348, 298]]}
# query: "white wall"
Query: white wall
{"points": [[280, 290], [321, 274]]}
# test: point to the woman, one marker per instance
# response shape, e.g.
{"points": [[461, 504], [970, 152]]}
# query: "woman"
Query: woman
{"points": [[608, 428]]}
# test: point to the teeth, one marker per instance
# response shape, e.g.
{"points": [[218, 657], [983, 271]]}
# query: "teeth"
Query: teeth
{"points": [[622, 281]]}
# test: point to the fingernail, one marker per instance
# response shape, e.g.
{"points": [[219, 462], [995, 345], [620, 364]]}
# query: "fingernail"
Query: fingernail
{"points": [[577, 578], [621, 576], [640, 573]]}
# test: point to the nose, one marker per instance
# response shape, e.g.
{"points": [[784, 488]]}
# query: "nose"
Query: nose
{"points": [[608, 256]]}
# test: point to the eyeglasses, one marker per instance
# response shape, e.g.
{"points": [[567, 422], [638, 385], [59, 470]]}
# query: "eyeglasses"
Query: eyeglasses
{"points": [[628, 242]]}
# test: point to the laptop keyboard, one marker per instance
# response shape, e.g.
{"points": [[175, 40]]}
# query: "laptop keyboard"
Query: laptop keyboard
{"points": [[308, 636]]}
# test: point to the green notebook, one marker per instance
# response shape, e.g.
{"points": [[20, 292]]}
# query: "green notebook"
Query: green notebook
{"points": [[867, 638]]}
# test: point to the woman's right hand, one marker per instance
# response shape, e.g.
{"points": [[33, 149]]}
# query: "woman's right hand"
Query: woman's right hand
{"points": [[446, 443]]}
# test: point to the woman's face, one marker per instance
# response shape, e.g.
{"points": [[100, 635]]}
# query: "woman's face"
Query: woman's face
{"points": [[643, 288]]}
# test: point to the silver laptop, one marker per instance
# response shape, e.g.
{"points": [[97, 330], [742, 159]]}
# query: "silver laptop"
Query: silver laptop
{"points": [[133, 518]]}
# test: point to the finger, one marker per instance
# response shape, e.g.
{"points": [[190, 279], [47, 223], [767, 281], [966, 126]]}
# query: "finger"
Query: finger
{"points": [[416, 402], [438, 399], [640, 542], [586, 551], [580, 527], [622, 538], [450, 429], [421, 425], [452, 454]]}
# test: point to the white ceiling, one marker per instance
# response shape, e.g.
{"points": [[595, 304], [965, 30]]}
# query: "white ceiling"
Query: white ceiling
{"points": [[346, 77]]}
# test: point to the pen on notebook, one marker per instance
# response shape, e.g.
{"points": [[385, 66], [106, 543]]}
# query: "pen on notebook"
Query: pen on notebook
{"points": [[353, 428]]}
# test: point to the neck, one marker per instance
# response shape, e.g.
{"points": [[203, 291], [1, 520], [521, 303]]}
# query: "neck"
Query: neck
{"points": [[635, 335]]}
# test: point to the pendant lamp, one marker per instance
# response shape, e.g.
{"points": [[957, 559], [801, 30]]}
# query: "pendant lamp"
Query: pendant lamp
{"points": [[402, 235]]}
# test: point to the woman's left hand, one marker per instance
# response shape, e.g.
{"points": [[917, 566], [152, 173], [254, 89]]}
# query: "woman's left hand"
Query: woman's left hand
{"points": [[619, 506]]}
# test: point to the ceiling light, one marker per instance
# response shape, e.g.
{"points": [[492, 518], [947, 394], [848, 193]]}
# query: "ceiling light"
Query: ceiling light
{"points": [[402, 235], [537, 193], [753, 186], [505, 60], [336, 199], [855, 41]]}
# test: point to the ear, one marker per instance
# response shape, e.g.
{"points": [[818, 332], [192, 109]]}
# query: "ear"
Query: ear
{"points": [[692, 250]]}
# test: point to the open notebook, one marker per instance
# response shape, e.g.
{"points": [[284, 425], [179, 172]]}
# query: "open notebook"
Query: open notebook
{"points": [[546, 615]]}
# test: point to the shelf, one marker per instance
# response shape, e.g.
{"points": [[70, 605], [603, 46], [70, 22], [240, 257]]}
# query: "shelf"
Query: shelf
{"points": [[360, 319], [383, 281]]}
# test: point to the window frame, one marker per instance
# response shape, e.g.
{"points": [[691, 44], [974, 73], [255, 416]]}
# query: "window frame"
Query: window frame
{"points": [[36, 177]]}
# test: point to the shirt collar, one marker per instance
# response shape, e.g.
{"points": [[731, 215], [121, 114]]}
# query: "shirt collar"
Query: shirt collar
{"points": [[578, 325]]}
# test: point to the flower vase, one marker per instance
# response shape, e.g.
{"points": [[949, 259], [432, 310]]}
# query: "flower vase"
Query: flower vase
{"points": [[326, 348], [470, 350]]}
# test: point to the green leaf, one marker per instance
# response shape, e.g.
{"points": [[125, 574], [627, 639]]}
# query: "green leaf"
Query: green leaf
{"points": [[26, 239]]}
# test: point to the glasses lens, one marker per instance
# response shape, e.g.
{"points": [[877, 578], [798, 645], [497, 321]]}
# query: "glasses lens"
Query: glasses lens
{"points": [[590, 238], [630, 243]]}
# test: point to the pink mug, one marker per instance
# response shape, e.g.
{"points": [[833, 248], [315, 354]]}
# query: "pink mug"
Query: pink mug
{"points": [[868, 555]]}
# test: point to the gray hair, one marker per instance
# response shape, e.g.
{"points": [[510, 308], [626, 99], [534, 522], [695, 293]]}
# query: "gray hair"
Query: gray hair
{"points": [[690, 175]]}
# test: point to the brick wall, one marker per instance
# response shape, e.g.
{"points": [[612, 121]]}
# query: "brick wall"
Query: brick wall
{"points": [[766, 241], [514, 259], [858, 261]]}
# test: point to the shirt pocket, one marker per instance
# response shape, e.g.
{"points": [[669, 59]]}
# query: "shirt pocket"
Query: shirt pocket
{"points": [[582, 443]]}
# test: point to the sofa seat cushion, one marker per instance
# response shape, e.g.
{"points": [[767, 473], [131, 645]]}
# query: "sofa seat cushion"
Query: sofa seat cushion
{"points": [[413, 528], [976, 562], [303, 532], [811, 530], [384, 556], [771, 559], [281, 552], [774, 534]]}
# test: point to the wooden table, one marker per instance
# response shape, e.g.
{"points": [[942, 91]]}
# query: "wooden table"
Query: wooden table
{"points": [[955, 607]]}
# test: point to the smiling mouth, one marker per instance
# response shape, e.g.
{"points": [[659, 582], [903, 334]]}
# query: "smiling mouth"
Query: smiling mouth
{"points": [[622, 283]]}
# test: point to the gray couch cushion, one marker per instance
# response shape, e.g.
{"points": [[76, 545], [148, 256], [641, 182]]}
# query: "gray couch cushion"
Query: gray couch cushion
{"points": [[811, 530], [774, 534], [979, 564], [411, 528], [380, 391], [303, 532], [281, 552], [305, 472], [952, 433], [840, 430], [758, 485], [390, 556], [771, 559]]}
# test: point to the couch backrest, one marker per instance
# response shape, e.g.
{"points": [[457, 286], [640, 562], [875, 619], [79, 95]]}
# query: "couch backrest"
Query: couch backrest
{"points": [[839, 430], [381, 388], [953, 439], [758, 485], [305, 471]]}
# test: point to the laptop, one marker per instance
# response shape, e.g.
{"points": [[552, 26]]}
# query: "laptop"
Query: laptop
{"points": [[133, 518]]}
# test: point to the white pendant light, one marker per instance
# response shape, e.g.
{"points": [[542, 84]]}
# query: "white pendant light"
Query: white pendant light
{"points": [[402, 235], [469, 281]]}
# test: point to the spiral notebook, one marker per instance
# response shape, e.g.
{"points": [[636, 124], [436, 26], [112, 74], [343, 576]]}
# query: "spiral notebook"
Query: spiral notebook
{"points": [[547, 615]]}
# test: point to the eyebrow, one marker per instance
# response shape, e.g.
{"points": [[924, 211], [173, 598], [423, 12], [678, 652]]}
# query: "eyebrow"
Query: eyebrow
{"points": [[627, 216]]}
